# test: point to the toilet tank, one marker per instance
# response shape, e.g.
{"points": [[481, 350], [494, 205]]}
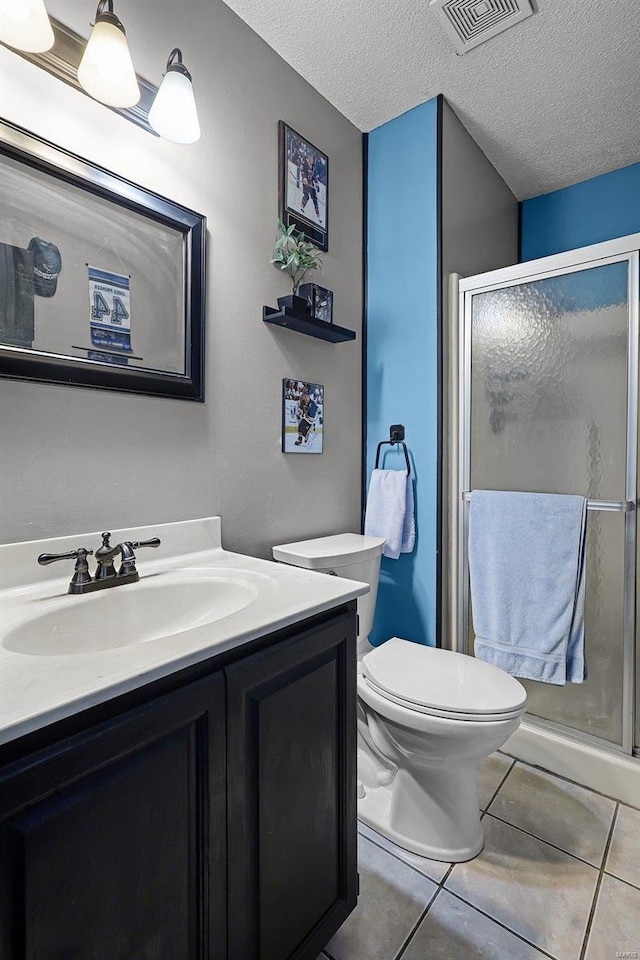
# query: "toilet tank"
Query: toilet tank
{"points": [[349, 555]]}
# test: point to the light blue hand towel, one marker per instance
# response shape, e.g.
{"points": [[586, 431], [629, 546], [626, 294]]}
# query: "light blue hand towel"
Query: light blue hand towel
{"points": [[526, 565], [386, 509]]}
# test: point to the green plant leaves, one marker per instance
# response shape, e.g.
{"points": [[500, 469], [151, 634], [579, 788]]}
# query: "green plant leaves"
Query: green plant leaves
{"points": [[294, 254]]}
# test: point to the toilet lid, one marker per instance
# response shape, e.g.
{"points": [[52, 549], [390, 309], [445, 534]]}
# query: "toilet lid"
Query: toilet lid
{"points": [[322, 553], [441, 680]]}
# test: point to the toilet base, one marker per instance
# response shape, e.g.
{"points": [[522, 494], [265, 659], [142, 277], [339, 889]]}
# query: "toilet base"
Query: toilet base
{"points": [[438, 818]]}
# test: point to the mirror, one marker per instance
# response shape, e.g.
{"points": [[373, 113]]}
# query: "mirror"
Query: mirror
{"points": [[102, 283]]}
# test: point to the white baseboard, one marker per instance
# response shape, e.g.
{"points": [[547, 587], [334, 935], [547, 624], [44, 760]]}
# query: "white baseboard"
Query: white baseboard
{"points": [[615, 775]]}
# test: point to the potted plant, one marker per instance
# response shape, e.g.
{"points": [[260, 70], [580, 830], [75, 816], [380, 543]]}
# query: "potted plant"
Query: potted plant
{"points": [[297, 257]]}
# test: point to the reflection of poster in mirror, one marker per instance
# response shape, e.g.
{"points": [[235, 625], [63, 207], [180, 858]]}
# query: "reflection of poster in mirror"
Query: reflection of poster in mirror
{"points": [[75, 242], [110, 314], [302, 416]]}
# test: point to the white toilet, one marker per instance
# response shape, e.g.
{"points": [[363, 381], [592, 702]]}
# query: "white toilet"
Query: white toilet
{"points": [[347, 555], [426, 718]]}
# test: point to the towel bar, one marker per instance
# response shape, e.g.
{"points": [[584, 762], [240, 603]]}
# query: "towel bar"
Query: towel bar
{"points": [[618, 506], [396, 435]]}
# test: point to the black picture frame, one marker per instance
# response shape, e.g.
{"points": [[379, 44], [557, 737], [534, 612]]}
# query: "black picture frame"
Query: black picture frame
{"points": [[303, 416], [319, 299], [293, 196], [61, 169]]}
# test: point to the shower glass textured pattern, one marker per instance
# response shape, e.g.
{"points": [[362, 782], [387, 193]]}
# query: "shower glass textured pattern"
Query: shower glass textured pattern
{"points": [[548, 414]]}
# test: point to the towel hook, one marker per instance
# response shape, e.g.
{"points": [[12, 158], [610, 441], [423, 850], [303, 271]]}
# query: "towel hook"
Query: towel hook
{"points": [[396, 435]]}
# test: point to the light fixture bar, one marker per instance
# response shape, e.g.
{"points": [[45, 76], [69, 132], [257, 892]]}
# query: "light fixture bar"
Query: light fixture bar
{"points": [[63, 59]]}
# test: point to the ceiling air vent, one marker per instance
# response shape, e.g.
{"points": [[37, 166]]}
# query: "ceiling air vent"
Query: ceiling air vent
{"points": [[469, 23]]}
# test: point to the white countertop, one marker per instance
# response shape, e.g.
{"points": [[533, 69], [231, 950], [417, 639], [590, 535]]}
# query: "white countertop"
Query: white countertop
{"points": [[36, 690]]}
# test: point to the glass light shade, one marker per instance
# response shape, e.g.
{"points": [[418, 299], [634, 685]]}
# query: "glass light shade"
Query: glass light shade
{"points": [[25, 25], [106, 71], [173, 113]]}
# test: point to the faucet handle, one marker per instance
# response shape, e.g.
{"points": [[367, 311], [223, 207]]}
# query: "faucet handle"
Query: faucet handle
{"points": [[154, 542], [81, 576], [80, 554], [128, 565]]}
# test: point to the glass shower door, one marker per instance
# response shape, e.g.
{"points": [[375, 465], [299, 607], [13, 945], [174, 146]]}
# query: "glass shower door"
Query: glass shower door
{"points": [[549, 406]]}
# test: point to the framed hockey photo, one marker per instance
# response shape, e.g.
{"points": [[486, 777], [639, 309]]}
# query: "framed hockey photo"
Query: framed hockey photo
{"points": [[302, 416], [304, 186]]}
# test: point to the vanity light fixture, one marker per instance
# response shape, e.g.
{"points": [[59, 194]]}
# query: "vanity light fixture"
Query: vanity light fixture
{"points": [[25, 25], [106, 70], [173, 113]]}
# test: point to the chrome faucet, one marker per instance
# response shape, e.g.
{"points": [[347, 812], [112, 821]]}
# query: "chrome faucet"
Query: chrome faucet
{"points": [[106, 574]]}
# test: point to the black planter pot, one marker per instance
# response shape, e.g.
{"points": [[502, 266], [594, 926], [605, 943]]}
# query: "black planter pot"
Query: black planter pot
{"points": [[296, 304]]}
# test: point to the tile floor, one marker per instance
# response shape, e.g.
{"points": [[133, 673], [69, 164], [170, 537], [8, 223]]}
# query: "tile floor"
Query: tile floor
{"points": [[559, 877]]}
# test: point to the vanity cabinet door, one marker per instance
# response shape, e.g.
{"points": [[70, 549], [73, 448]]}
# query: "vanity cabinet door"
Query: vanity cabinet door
{"points": [[112, 842], [292, 794]]}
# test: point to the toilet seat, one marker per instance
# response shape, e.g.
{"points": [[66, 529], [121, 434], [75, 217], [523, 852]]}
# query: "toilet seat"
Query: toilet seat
{"points": [[442, 683]]}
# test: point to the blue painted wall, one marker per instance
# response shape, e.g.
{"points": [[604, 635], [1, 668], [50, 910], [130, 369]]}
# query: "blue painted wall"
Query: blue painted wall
{"points": [[602, 208], [402, 311]]}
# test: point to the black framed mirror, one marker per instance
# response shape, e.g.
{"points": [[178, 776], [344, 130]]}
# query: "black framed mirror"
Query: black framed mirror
{"points": [[102, 282]]}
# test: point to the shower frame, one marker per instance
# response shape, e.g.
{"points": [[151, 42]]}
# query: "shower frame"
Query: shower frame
{"points": [[459, 417]]}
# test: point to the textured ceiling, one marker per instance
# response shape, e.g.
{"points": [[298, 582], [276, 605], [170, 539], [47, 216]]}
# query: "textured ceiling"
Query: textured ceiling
{"points": [[554, 100]]}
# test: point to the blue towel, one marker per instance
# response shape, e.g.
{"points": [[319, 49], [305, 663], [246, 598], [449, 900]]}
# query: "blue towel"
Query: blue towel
{"points": [[526, 565], [386, 515]]}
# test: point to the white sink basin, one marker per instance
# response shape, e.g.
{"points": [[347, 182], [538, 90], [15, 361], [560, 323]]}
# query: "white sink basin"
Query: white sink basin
{"points": [[155, 607], [60, 654]]}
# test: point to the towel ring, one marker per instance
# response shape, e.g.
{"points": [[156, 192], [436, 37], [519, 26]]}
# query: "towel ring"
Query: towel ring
{"points": [[396, 435]]}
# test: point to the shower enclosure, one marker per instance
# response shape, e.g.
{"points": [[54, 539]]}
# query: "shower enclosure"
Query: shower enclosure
{"points": [[548, 402]]}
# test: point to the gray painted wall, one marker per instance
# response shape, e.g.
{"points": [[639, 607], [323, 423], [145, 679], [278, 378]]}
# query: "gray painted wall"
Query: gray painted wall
{"points": [[479, 211], [75, 459], [479, 233]]}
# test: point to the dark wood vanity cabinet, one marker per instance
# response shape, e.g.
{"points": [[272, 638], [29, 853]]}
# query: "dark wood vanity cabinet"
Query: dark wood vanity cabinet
{"points": [[215, 820], [113, 842], [291, 714]]}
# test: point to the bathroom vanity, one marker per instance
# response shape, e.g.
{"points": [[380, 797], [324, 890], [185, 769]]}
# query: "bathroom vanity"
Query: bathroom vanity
{"points": [[191, 796]]}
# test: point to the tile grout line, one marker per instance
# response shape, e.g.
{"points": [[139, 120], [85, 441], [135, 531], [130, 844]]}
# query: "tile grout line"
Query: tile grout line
{"points": [[499, 787], [406, 863], [596, 892], [413, 930], [542, 840], [499, 923], [439, 885], [447, 875], [627, 883]]}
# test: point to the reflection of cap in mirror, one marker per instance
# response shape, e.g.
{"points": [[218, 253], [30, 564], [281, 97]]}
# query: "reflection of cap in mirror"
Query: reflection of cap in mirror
{"points": [[47, 264]]}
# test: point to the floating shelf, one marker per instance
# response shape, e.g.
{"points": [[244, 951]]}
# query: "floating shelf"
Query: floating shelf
{"points": [[307, 324]]}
